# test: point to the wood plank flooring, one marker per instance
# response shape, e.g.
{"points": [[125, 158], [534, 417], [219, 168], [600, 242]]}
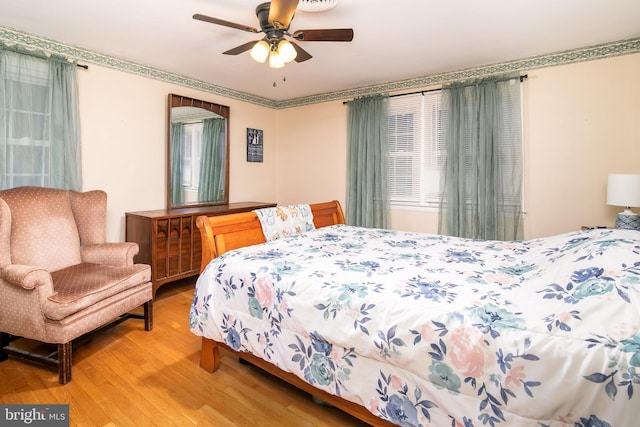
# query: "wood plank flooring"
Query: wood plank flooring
{"points": [[129, 377]]}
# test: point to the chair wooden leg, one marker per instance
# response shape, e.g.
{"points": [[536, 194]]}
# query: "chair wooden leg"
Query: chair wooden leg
{"points": [[4, 341], [148, 315], [64, 362]]}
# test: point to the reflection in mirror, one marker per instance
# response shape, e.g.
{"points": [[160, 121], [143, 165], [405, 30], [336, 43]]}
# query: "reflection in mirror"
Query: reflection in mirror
{"points": [[198, 166]]}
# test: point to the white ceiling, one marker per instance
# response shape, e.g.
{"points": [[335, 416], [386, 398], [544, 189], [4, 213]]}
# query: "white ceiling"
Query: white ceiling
{"points": [[394, 40]]}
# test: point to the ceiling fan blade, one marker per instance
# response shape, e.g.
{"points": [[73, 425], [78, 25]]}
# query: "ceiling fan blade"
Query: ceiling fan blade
{"points": [[222, 22], [330, 35], [281, 13], [240, 49], [302, 55]]}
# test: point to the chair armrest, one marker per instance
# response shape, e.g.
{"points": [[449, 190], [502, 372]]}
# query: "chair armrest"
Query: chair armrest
{"points": [[118, 254], [26, 276]]}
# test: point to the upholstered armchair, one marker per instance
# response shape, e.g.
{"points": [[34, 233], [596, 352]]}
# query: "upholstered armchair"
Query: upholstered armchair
{"points": [[59, 278]]}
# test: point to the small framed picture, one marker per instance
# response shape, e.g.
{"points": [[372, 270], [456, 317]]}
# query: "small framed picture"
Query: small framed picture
{"points": [[254, 145]]}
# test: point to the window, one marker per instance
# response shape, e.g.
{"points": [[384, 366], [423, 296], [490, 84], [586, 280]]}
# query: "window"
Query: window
{"points": [[416, 152], [28, 139], [39, 121], [191, 146]]}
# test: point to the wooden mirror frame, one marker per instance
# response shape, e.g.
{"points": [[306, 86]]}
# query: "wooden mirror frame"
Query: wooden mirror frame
{"points": [[221, 110]]}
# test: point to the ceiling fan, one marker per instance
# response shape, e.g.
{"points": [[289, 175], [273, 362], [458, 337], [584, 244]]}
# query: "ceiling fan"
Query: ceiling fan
{"points": [[275, 19]]}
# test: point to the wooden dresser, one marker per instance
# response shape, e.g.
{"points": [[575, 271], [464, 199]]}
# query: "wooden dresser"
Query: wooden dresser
{"points": [[169, 239]]}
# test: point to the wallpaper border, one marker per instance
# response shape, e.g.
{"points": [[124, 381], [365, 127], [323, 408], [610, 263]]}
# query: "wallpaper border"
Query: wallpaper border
{"points": [[31, 41]]}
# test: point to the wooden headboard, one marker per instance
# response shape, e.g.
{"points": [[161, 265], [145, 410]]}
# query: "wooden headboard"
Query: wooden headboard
{"points": [[223, 233]]}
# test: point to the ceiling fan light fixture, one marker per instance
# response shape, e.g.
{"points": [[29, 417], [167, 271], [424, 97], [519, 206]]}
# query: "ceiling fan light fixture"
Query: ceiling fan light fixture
{"points": [[260, 51], [275, 60], [286, 51], [274, 24], [316, 5]]}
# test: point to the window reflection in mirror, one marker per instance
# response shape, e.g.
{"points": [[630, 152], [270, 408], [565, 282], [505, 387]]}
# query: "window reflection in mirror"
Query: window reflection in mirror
{"points": [[198, 166]]}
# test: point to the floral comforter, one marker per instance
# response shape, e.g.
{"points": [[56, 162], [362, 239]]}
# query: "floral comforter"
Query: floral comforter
{"points": [[435, 330]]}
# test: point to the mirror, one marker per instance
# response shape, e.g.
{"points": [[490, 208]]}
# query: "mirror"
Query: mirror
{"points": [[198, 158]]}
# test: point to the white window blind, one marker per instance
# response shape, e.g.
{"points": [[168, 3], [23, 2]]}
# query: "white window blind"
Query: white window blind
{"points": [[416, 151], [27, 122], [191, 151]]}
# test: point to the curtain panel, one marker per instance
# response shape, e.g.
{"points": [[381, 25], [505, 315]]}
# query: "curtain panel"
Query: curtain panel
{"points": [[211, 182], [177, 194], [367, 183], [482, 179], [39, 121]]}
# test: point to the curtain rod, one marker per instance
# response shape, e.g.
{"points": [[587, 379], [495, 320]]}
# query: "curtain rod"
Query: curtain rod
{"points": [[422, 92], [36, 54]]}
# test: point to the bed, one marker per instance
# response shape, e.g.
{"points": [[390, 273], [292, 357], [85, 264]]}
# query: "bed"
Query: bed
{"points": [[413, 329]]}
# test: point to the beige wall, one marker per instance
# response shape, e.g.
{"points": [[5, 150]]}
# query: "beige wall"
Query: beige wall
{"points": [[312, 153], [124, 143], [582, 121]]}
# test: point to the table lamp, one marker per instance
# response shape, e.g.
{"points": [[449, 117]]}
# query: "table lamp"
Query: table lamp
{"points": [[624, 190]]}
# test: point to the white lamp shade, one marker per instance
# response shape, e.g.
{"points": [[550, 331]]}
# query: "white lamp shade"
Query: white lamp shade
{"points": [[287, 51], [275, 60], [623, 190], [260, 51]]}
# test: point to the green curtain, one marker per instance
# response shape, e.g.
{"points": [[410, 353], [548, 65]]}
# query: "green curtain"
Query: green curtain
{"points": [[367, 182], [177, 195], [66, 161], [482, 179], [212, 172], [39, 121]]}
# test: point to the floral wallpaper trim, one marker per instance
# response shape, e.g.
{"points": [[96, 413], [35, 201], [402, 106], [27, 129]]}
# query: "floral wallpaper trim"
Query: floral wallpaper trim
{"points": [[31, 41]]}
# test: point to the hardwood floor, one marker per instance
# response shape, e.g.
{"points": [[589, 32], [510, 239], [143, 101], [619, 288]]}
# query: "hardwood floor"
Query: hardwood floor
{"points": [[129, 377]]}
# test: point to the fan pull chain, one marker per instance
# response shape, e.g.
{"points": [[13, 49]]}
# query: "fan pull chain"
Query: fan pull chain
{"points": [[284, 80]]}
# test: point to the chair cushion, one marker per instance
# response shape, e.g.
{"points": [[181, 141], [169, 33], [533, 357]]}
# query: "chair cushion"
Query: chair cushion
{"points": [[43, 229], [90, 211], [79, 286]]}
